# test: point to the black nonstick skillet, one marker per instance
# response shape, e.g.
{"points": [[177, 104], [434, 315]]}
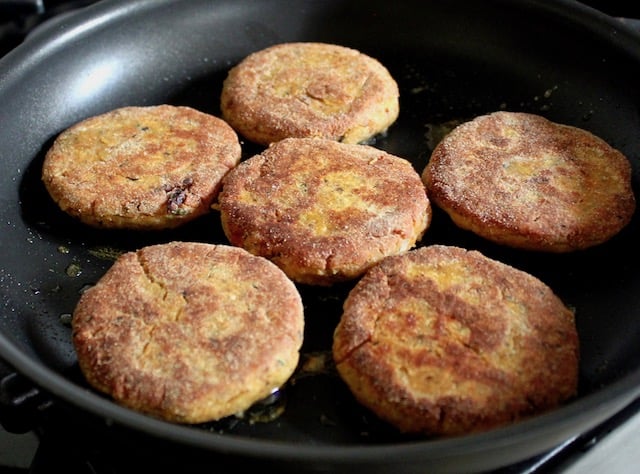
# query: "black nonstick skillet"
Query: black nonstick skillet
{"points": [[453, 60]]}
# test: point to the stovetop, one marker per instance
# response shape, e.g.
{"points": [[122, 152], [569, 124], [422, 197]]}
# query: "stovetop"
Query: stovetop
{"points": [[614, 445]]}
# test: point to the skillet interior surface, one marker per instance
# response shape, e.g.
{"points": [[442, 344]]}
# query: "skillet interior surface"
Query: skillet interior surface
{"points": [[453, 60]]}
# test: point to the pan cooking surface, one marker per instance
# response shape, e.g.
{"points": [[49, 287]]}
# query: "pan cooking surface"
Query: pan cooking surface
{"points": [[450, 68]]}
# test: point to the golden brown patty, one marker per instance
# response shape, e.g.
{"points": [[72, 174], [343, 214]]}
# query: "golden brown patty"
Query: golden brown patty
{"points": [[441, 340], [189, 332], [140, 167], [520, 180], [309, 90], [323, 211]]}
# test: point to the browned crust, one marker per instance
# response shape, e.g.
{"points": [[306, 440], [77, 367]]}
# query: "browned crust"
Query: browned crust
{"points": [[441, 340], [520, 180], [323, 211], [140, 167], [189, 332], [309, 90]]}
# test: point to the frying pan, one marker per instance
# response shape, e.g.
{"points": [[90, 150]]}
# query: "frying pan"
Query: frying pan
{"points": [[453, 60]]}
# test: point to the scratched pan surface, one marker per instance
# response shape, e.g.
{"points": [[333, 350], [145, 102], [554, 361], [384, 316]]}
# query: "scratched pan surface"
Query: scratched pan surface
{"points": [[453, 60]]}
